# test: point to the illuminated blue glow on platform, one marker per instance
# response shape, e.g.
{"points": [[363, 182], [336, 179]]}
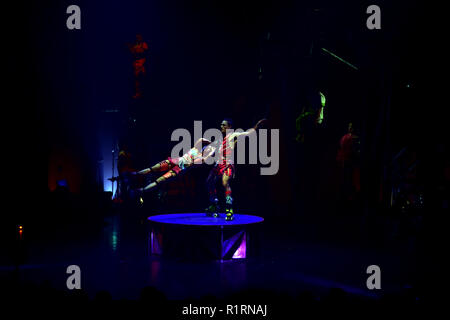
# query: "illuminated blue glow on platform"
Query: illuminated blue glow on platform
{"points": [[200, 219]]}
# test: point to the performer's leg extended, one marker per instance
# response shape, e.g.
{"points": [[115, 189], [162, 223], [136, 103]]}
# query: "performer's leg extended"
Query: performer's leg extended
{"points": [[226, 178], [166, 176], [161, 166]]}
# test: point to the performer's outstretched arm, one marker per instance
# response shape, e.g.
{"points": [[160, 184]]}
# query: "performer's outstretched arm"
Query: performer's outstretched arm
{"points": [[198, 144], [207, 153], [252, 130]]}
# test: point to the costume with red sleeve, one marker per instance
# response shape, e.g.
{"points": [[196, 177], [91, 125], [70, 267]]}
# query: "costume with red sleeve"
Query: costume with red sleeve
{"points": [[138, 50], [347, 159], [223, 167]]}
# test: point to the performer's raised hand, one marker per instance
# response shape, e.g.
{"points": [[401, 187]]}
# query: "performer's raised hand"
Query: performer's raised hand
{"points": [[322, 99], [260, 123]]}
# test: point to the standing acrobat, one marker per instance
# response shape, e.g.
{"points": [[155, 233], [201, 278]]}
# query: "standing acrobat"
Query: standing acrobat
{"points": [[224, 168]]}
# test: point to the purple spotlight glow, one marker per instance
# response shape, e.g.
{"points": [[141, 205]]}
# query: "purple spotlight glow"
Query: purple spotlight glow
{"points": [[241, 252]]}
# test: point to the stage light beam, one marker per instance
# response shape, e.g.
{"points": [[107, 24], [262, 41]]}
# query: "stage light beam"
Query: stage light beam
{"points": [[340, 59]]}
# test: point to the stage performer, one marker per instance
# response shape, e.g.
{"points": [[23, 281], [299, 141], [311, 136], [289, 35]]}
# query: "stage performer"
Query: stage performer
{"points": [[125, 181], [309, 118], [138, 49], [202, 150], [223, 169], [347, 158]]}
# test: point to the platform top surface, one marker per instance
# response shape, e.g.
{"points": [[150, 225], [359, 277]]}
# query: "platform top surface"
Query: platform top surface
{"points": [[200, 219]]}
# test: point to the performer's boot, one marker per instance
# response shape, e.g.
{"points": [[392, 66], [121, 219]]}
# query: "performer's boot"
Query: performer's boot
{"points": [[213, 209], [229, 208], [230, 215]]}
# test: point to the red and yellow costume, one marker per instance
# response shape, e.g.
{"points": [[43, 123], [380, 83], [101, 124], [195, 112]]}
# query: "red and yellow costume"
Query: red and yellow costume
{"points": [[138, 50]]}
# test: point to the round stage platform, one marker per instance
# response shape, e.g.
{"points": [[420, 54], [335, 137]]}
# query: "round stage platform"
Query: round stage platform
{"points": [[200, 219], [196, 235]]}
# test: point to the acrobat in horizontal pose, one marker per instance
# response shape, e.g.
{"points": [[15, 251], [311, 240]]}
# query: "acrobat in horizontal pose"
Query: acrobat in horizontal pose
{"points": [[201, 151]]}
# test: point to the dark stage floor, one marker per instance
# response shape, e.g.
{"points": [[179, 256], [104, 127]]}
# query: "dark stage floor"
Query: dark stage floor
{"points": [[296, 257]]}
